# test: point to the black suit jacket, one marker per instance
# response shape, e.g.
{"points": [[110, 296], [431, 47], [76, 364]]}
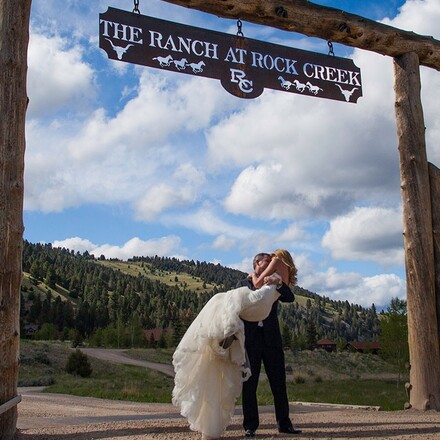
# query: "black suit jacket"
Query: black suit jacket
{"points": [[271, 327]]}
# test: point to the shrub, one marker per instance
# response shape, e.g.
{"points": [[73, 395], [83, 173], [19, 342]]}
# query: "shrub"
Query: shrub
{"points": [[38, 357], [43, 381], [76, 338], [299, 379], [78, 364], [47, 332]]}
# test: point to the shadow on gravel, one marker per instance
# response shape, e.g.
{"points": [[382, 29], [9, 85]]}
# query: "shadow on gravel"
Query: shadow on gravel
{"points": [[105, 433]]}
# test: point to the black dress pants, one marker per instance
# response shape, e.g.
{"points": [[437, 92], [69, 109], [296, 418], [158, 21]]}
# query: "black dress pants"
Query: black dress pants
{"points": [[261, 348]]}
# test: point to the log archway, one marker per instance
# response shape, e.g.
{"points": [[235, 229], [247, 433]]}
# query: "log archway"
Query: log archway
{"points": [[421, 218]]}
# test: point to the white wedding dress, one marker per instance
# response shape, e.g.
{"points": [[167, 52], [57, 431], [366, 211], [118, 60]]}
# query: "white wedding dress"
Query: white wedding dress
{"points": [[208, 378]]}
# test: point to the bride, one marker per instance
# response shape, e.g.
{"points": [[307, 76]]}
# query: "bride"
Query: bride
{"points": [[210, 360]]}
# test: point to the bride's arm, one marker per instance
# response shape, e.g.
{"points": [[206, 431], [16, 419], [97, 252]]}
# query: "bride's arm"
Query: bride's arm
{"points": [[258, 281]]}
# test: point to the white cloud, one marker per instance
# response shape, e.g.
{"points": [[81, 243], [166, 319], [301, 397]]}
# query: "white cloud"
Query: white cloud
{"points": [[314, 162], [293, 233], [350, 286], [355, 288], [420, 16], [76, 244], [223, 242], [187, 181], [206, 221], [367, 234], [133, 156], [57, 77], [244, 265], [165, 246]]}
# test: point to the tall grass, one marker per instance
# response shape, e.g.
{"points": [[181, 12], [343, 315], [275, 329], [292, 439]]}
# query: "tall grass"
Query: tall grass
{"points": [[117, 382]]}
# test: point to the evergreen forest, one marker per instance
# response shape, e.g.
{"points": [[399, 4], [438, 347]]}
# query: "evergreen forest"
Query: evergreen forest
{"points": [[113, 303]]}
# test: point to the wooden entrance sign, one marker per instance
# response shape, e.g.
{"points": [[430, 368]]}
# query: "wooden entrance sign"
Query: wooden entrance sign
{"points": [[245, 67]]}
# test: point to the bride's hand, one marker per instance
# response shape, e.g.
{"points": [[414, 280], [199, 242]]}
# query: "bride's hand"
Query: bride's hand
{"points": [[252, 274], [272, 279]]}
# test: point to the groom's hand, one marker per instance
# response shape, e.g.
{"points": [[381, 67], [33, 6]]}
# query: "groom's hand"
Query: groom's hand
{"points": [[227, 342]]}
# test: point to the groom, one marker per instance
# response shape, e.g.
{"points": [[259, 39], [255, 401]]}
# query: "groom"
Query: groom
{"points": [[263, 344]]}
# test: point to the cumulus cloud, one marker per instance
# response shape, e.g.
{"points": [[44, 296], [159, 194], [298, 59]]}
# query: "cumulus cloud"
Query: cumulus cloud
{"points": [[355, 288], [244, 265], [205, 220], [367, 234], [223, 242], [316, 162], [132, 156], [328, 155], [58, 76], [165, 246], [187, 181], [293, 233]]}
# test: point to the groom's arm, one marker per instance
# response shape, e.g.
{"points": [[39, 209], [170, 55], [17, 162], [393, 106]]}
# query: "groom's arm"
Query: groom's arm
{"points": [[245, 282], [283, 289], [286, 293]]}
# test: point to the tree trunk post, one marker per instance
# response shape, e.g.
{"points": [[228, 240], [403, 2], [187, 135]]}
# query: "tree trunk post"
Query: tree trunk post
{"points": [[14, 38], [423, 336], [434, 185]]}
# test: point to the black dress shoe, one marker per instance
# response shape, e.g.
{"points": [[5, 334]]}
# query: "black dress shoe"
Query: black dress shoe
{"points": [[290, 430], [249, 433]]}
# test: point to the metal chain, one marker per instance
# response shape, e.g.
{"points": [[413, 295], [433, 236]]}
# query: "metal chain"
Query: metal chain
{"points": [[136, 7], [239, 26], [330, 48]]}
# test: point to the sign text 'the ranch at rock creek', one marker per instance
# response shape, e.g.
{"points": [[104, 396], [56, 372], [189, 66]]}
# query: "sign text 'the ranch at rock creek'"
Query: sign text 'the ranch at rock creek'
{"points": [[245, 67]]}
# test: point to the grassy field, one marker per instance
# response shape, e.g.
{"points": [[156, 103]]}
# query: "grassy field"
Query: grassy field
{"points": [[184, 280], [347, 378]]}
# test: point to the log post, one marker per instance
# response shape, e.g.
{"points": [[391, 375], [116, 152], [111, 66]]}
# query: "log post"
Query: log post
{"points": [[423, 339], [434, 185], [14, 38]]}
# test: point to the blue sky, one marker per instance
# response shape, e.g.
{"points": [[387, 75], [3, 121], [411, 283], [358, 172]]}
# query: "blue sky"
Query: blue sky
{"points": [[126, 160]]}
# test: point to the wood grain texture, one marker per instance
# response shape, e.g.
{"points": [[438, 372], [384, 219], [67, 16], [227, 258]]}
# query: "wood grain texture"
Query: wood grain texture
{"points": [[14, 37], [418, 238]]}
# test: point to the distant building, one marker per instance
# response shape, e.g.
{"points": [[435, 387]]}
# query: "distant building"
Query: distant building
{"points": [[326, 344], [30, 330], [364, 347], [153, 335]]}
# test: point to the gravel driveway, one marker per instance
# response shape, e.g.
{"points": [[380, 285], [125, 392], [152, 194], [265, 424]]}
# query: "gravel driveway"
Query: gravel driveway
{"points": [[44, 416]]}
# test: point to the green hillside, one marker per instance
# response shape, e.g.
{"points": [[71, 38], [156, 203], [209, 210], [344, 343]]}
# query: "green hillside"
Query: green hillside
{"points": [[169, 277]]}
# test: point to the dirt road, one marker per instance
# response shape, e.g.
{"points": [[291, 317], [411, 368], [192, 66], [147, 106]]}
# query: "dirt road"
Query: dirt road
{"points": [[118, 356]]}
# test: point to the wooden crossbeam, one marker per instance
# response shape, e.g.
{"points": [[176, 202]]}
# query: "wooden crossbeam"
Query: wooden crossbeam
{"points": [[10, 404], [323, 22]]}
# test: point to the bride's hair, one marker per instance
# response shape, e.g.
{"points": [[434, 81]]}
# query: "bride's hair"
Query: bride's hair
{"points": [[287, 259]]}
